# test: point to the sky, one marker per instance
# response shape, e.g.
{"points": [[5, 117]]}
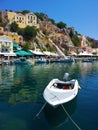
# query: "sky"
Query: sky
{"points": [[80, 14]]}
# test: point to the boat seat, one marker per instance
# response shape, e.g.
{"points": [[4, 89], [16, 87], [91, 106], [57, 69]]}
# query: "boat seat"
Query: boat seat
{"points": [[66, 87], [62, 86]]}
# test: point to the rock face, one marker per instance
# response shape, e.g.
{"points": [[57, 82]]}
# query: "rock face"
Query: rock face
{"points": [[66, 39], [60, 37], [52, 38]]}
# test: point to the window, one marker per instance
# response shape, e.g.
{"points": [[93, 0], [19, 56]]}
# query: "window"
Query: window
{"points": [[6, 50], [2, 50], [34, 18], [6, 43]]}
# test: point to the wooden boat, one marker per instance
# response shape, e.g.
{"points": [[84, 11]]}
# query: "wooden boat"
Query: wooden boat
{"points": [[58, 92]]}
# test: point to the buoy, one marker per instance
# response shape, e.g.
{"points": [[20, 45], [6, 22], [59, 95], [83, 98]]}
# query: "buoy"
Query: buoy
{"points": [[79, 87]]}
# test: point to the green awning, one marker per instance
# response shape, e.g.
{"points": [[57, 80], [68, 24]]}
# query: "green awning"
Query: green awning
{"points": [[23, 53], [30, 53], [15, 45]]}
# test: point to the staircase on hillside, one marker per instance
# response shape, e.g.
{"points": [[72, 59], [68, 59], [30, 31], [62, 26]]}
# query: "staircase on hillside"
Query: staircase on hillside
{"points": [[59, 52]]}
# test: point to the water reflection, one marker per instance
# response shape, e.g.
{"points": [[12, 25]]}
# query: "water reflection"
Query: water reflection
{"points": [[23, 86], [17, 84], [26, 83], [57, 116]]}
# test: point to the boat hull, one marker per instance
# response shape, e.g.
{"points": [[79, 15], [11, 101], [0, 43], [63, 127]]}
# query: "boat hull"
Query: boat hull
{"points": [[56, 96]]}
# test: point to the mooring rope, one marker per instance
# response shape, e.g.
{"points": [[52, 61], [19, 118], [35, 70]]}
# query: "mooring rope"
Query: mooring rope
{"points": [[68, 114], [63, 109], [40, 110], [70, 117]]}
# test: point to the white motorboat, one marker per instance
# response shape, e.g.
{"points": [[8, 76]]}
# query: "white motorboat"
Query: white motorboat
{"points": [[58, 92]]}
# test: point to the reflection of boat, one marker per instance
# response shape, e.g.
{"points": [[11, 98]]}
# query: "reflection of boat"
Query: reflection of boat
{"points": [[56, 116], [21, 60], [41, 60], [88, 60], [58, 92]]}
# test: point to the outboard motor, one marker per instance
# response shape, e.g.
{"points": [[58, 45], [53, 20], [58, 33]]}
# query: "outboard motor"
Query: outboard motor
{"points": [[66, 75]]}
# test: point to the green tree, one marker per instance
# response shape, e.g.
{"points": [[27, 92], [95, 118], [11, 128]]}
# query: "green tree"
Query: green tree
{"points": [[93, 45], [14, 27], [75, 40], [40, 16], [29, 33], [26, 46], [21, 31], [1, 21], [71, 33], [52, 21], [61, 25], [25, 12]]}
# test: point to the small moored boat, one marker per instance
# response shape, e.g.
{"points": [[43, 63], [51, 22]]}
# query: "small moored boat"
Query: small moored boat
{"points": [[58, 92]]}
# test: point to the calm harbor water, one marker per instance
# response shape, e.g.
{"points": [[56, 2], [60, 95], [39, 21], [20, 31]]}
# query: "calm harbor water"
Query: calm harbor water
{"points": [[21, 89]]}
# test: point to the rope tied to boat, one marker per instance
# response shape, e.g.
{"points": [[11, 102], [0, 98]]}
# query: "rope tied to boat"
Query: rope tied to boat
{"points": [[70, 118], [40, 110], [68, 114]]}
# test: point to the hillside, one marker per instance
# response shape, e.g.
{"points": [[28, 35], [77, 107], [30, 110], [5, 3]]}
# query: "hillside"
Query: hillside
{"points": [[51, 35], [67, 39]]}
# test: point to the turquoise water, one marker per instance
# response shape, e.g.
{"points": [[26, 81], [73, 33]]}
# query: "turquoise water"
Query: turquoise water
{"points": [[21, 89]]}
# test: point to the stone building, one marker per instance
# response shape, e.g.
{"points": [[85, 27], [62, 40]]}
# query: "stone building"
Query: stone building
{"points": [[22, 20]]}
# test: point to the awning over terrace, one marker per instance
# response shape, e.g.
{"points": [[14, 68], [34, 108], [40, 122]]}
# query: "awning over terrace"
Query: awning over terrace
{"points": [[24, 53]]}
